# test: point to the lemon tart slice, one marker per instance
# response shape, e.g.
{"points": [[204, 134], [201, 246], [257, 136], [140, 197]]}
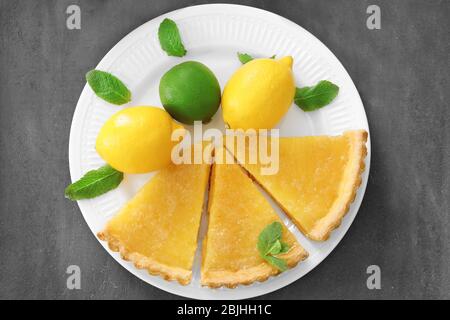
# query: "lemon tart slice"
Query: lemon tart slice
{"points": [[157, 229], [238, 212], [317, 179]]}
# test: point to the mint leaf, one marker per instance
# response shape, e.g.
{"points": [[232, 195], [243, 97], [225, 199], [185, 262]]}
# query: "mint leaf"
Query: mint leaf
{"points": [[108, 87], [94, 183], [268, 237], [284, 248], [316, 97], [245, 57], [278, 263], [269, 245], [169, 38], [275, 248]]}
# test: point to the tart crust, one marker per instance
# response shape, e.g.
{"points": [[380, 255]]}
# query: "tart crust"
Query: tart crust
{"points": [[142, 262], [351, 180], [159, 205], [262, 272], [258, 272], [348, 189]]}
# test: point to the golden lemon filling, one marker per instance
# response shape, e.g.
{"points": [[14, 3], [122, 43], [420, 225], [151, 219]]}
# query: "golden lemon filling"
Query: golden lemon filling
{"points": [[317, 179], [238, 212], [158, 228]]}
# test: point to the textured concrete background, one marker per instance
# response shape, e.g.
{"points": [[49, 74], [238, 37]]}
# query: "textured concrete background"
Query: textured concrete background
{"points": [[401, 71]]}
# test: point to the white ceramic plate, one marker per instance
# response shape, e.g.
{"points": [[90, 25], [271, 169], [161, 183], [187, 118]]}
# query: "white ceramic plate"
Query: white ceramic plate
{"points": [[212, 35]]}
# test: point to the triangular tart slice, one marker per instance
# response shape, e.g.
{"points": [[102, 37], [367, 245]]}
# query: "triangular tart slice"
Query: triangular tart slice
{"points": [[238, 212], [317, 178], [157, 230]]}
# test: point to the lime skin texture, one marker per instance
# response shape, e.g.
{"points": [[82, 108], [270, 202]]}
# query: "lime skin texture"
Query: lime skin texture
{"points": [[190, 92]]}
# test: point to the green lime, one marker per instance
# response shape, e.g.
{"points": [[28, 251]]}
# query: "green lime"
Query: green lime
{"points": [[190, 92]]}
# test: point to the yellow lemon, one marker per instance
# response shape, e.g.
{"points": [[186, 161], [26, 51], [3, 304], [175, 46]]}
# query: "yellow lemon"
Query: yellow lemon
{"points": [[137, 139], [258, 94]]}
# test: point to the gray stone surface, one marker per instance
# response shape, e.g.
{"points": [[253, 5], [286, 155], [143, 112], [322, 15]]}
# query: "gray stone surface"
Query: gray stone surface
{"points": [[401, 71]]}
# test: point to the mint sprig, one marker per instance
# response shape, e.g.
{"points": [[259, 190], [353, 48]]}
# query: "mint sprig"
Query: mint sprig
{"points": [[316, 97], [270, 244], [94, 183], [108, 87], [245, 57], [170, 39]]}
